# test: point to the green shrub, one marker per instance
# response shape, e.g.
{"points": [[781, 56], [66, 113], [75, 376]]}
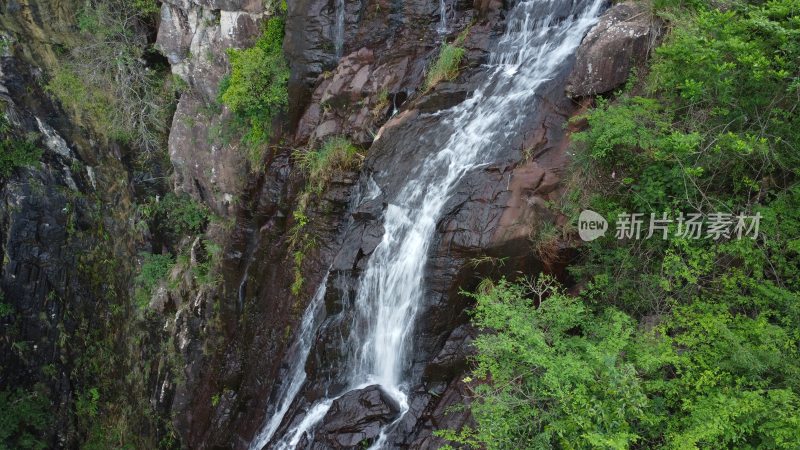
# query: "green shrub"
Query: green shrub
{"points": [[15, 152], [677, 343], [177, 215], [256, 88], [204, 272], [715, 132], [155, 269], [566, 374]]}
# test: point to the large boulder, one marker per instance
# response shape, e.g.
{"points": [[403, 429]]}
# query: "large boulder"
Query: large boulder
{"points": [[622, 37], [356, 418]]}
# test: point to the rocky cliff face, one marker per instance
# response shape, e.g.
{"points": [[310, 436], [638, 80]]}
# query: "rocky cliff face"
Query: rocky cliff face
{"points": [[67, 238], [216, 354]]}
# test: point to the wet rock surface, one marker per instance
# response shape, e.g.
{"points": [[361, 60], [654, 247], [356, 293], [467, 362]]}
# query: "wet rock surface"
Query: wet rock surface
{"points": [[356, 419], [623, 37]]}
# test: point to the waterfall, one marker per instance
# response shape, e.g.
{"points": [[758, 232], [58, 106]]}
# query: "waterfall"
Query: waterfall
{"points": [[442, 28], [296, 375], [540, 37], [391, 289], [338, 30]]}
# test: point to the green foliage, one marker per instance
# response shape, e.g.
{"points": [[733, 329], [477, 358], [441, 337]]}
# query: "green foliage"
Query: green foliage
{"points": [[256, 88], [204, 270], [155, 269], [5, 308], [566, 374], [716, 132], [24, 417], [177, 215], [448, 61], [14, 152], [86, 405], [678, 343], [557, 376]]}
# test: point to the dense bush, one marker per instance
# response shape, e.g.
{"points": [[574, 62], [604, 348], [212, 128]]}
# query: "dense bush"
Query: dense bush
{"points": [[24, 418], [717, 132], [256, 88], [155, 269], [176, 215], [567, 374]]}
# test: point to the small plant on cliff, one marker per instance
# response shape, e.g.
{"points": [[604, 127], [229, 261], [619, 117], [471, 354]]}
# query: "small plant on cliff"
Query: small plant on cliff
{"points": [[15, 152], [335, 155], [255, 90], [447, 63], [155, 268]]}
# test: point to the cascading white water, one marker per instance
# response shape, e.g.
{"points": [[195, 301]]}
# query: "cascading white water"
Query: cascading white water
{"points": [[338, 31], [391, 289], [297, 374], [442, 28], [540, 37]]}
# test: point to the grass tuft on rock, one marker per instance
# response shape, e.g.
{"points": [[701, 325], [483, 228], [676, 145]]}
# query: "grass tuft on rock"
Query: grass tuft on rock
{"points": [[446, 65], [336, 154]]}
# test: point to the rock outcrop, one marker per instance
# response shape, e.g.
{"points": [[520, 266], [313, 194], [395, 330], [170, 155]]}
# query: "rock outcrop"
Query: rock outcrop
{"points": [[355, 419], [194, 36], [621, 39]]}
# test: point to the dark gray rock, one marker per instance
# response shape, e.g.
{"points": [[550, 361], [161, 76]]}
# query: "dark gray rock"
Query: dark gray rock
{"points": [[452, 359], [356, 418]]}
